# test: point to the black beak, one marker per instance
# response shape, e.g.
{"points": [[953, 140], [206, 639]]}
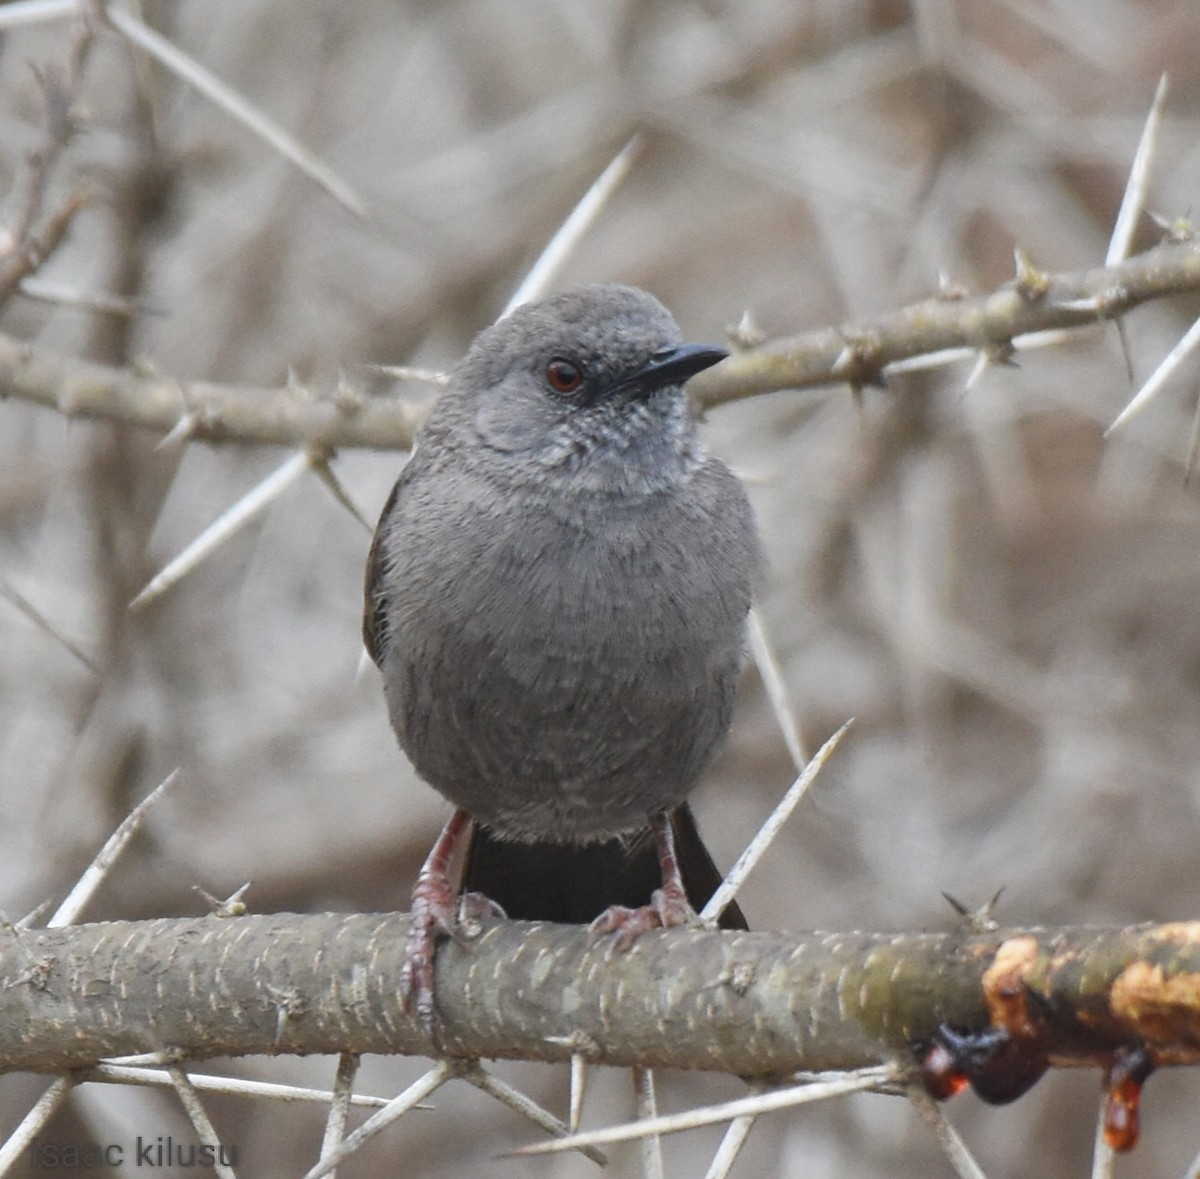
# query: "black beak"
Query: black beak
{"points": [[674, 366]]}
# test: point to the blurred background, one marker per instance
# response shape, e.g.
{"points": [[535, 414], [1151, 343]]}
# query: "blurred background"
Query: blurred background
{"points": [[1004, 599]]}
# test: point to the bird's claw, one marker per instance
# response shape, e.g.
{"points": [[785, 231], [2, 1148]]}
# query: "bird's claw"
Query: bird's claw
{"points": [[436, 912], [668, 909]]}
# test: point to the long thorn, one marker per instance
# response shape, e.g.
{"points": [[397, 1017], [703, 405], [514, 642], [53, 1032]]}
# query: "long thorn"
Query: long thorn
{"points": [[43, 623], [154, 1078], [339, 1107], [68, 912], [191, 71], [775, 686], [647, 1110], [326, 474], [421, 1088], [527, 1107], [1134, 200], [30, 12], [201, 1122], [33, 1122], [710, 1115], [766, 834], [1160, 376], [953, 1147], [1103, 1155], [571, 232], [225, 526], [736, 1134]]}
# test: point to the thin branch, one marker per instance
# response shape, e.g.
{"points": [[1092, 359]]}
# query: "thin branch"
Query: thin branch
{"points": [[1037, 301], [827, 356], [285, 416], [27, 253], [24, 247]]}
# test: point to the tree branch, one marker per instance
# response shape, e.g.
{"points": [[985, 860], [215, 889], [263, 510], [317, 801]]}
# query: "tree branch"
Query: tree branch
{"points": [[1034, 302], [293, 416], [289, 416], [23, 248], [750, 1004]]}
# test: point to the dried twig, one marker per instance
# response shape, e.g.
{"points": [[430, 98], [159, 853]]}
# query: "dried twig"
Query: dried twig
{"points": [[24, 246]]}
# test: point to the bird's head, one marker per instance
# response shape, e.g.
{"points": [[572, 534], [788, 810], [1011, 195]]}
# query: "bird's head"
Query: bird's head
{"points": [[590, 377]]}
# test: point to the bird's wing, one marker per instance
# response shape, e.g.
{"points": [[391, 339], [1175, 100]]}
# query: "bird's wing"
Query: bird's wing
{"points": [[375, 613]]}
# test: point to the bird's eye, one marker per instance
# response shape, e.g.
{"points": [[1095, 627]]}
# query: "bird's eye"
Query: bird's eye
{"points": [[563, 375]]}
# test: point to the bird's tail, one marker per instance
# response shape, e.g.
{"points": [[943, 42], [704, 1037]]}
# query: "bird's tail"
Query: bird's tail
{"points": [[574, 884]]}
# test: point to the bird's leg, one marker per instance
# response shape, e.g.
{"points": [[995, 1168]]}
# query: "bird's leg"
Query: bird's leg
{"points": [[668, 906], [670, 902], [433, 913]]}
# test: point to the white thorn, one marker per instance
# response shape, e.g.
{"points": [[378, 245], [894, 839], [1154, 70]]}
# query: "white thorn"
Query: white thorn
{"points": [[1134, 200], [571, 232], [225, 526], [1160, 376], [68, 912], [224, 96], [766, 834]]}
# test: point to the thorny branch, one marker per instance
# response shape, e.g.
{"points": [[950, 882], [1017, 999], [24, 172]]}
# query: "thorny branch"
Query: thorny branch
{"points": [[750, 1004], [24, 246], [297, 416]]}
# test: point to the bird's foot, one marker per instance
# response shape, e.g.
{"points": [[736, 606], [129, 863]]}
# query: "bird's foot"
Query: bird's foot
{"points": [[668, 909], [436, 912], [433, 912]]}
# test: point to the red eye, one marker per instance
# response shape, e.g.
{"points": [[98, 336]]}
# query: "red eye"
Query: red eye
{"points": [[563, 375]]}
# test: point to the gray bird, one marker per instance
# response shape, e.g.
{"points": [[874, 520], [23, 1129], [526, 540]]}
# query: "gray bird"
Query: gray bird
{"points": [[556, 596]]}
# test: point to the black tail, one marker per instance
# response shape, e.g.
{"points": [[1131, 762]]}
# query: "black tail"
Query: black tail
{"points": [[574, 884]]}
